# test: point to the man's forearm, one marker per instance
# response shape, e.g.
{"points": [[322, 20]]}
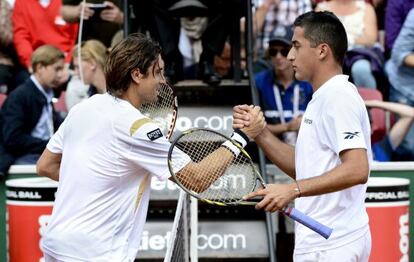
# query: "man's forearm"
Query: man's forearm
{"points": [[48, 165], [70, 13], [352, 171], [53, 173], [277, 129], [280, 153], [396, 108]]}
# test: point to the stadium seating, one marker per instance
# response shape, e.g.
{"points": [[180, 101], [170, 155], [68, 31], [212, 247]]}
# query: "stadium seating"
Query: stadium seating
{"points": [[378, 116]]}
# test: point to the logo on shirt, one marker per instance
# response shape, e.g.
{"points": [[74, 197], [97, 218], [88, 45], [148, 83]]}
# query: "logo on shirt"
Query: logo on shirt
{"points": [[307, 121], [155, 134], [350, 135]]}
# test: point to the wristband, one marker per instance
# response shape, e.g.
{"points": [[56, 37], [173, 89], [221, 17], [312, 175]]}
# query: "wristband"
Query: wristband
{"points": [[240, 138]]}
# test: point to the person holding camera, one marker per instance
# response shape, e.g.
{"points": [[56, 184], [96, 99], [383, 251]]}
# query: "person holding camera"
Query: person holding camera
{"points": [[101, 19]]}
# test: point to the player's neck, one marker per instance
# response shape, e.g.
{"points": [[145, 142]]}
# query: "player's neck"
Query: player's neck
{"points": [[131, 96], [324, 74]]}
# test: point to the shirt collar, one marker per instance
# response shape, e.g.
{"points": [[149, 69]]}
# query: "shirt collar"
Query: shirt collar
{"points": [[330, 82], [47, 93]]}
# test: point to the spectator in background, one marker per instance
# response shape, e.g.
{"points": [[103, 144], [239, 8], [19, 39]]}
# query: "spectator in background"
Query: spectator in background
{"points": [[400, 70], [7, 53], [101, 26], [283, 99], [384, 149], [273, 13], [27, 117], [93, 55], [395, 15], [36, 23], [360, 23], [166, 29], [222, 62], [190, 45]]}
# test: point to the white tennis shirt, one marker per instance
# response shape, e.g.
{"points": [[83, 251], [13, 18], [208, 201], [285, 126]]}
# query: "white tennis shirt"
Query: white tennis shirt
{"points": [[109, 153], [335, 120]]}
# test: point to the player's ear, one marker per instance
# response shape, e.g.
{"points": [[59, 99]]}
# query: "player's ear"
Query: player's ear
{"points": [[136, 76], [323, 50]]}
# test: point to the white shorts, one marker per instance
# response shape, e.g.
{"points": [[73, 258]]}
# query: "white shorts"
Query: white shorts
{"points": [[356, 251]]}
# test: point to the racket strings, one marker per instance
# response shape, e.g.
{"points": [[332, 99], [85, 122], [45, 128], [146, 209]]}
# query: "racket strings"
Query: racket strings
{"points": [[198, 147], [228, 184], [163, 110]]}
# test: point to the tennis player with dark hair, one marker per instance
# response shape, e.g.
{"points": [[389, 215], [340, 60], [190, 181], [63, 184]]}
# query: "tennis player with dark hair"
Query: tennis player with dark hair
{"points": [[331, 159], [104, 156]]}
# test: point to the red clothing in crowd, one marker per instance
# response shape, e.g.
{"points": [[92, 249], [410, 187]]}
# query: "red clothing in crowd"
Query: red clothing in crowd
{"points": [[38, 22]]}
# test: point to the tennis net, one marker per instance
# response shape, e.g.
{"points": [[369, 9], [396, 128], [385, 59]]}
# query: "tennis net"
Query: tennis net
{"points": [[178, 249]]}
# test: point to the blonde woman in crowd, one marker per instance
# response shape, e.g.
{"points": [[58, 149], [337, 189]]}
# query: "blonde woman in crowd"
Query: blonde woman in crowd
{"points": [[88, 66]]}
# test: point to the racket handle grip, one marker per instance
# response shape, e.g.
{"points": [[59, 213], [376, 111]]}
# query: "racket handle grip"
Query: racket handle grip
{"points": [[308, 221]]}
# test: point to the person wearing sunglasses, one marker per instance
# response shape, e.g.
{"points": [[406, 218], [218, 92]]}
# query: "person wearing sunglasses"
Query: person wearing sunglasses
{"points": [[282, 98]]}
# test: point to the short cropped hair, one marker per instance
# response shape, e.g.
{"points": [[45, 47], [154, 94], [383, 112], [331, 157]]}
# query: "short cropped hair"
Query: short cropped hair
{"points": [[46, 55], [136, 51], [324, 27]]}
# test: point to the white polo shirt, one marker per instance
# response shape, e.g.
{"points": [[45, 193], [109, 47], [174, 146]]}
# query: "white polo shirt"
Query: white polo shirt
{"points": [[335, 119], [109, 153]]}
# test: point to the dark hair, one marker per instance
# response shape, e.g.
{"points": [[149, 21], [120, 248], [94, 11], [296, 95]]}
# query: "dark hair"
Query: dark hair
{"points": [[324, 27], [136, 51]]}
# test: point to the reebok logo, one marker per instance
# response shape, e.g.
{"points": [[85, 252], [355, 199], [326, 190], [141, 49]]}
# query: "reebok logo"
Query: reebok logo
{"points": [[350, 135]]}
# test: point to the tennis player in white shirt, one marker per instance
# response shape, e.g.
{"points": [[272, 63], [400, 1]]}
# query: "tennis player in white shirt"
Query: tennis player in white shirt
{"points": [[331, 159], [104, 155]]}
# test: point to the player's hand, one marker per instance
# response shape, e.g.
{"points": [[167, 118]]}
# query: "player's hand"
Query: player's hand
{"points": [[275, 196], [112, 13], [87, 12], [256, 122], [241, 118]]}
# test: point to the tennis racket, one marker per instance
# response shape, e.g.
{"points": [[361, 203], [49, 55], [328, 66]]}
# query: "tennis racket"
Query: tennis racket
{"points": [[227, 185], [164, 110]]}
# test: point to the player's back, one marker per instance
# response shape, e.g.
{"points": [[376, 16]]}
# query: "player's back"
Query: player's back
{"points": [[97, 185]]}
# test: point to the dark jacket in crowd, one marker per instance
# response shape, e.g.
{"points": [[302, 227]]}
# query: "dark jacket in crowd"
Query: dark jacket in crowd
{"points": [[18, 117]]}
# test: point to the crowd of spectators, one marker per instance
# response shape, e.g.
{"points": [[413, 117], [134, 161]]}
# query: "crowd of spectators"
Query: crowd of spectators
{"points": [[380, 55]]}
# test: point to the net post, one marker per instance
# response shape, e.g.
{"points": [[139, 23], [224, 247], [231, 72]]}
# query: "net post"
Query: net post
{"points": [[193, 229]]}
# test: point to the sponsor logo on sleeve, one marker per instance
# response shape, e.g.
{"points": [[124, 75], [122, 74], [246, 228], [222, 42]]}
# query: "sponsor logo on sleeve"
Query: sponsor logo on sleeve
{"points": [[154, 134], [350, 135]]}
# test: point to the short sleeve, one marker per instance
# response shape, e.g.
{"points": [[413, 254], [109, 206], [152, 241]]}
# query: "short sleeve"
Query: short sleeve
{"points": [[342, 123], [150, 148], [55, 144]]}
